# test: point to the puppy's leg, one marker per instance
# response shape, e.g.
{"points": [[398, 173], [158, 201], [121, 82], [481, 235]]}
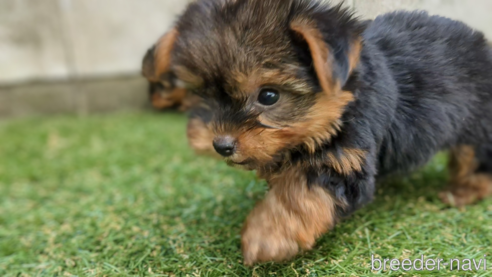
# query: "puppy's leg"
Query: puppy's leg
{"points": [[468, 183], [200, 137], [292, 216]]}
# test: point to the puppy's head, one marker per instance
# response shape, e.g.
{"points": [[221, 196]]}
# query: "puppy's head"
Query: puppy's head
{"points": [[164, 89], [272, 72]]}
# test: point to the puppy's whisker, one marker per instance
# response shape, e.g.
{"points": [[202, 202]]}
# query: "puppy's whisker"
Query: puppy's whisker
{"points": [[268, 126]]}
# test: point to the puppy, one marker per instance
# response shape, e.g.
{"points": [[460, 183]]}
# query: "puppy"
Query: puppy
{"points": [[322, 105], [166, 93]]}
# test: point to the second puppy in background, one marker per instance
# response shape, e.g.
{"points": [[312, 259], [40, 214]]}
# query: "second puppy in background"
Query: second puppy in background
{"points": [[166, 94]]}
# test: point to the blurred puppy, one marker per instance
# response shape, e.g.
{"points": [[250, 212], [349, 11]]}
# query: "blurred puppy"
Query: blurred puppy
{"points": [[321, 104], [166, 93]]}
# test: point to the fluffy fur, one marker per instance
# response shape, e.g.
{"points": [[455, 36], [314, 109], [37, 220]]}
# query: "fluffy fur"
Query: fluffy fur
{"points": [[358, 101]]}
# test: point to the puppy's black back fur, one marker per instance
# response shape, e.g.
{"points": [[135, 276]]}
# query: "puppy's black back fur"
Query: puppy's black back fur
{"points": [[443, 73], [424, 84]]}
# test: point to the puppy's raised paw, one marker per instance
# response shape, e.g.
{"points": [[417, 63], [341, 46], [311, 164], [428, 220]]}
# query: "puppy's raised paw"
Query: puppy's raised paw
{"points": [[270, 234], [276, 232], [261, 244]]}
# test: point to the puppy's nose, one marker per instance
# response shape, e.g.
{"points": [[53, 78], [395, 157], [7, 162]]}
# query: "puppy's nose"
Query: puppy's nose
{"points": [[225, 145]]}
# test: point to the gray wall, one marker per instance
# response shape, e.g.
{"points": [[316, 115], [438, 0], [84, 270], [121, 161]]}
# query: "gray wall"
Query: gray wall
{"points": [[70, 42], [57, 39]]}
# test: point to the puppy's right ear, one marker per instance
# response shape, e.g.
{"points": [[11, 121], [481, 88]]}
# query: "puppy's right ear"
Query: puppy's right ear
{"points": [[157, 61], [333, 66]]}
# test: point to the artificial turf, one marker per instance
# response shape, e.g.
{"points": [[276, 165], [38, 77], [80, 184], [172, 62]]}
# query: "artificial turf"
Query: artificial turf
{"points": [[122, 195]]}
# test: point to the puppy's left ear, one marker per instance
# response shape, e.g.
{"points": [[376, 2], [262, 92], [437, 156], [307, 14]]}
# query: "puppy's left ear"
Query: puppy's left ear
{"points": [[333, 64], [157, 61]]}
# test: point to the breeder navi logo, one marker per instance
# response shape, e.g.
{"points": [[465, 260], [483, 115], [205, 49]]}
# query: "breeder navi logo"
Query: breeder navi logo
{"points": [[423, 264]]}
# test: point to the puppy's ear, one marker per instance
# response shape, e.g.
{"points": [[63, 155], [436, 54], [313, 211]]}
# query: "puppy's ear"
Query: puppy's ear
{"points": [[157, 61], [148, 64], [333, 65]]}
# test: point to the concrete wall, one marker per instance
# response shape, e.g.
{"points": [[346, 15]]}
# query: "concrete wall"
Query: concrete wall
{"points": [[31, 41], [67, 40], [58, 39], [476, 13]]}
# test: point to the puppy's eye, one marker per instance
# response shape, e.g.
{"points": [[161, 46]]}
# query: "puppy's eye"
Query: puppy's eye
{"points": [[268, 97]]}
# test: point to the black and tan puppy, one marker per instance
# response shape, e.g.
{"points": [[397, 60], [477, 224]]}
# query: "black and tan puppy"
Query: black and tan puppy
{"points": [[164, 89], [166, 92], [322, 104]]}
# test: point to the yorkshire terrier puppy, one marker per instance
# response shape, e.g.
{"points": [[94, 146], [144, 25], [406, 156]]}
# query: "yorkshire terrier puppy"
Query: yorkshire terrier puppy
{"points": [[164, 90], [166, 93], [322, 105]]}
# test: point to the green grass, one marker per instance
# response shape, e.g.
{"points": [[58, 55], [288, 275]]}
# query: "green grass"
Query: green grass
{"points": [[122, 195]]}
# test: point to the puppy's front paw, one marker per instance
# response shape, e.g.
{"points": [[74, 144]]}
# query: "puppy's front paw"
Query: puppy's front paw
{"points": [[291, 217], [272, 233], [262, 244]]}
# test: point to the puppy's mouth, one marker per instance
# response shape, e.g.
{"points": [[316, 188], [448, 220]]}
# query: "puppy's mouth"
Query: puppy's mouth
{"points": [[244, 164]]}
